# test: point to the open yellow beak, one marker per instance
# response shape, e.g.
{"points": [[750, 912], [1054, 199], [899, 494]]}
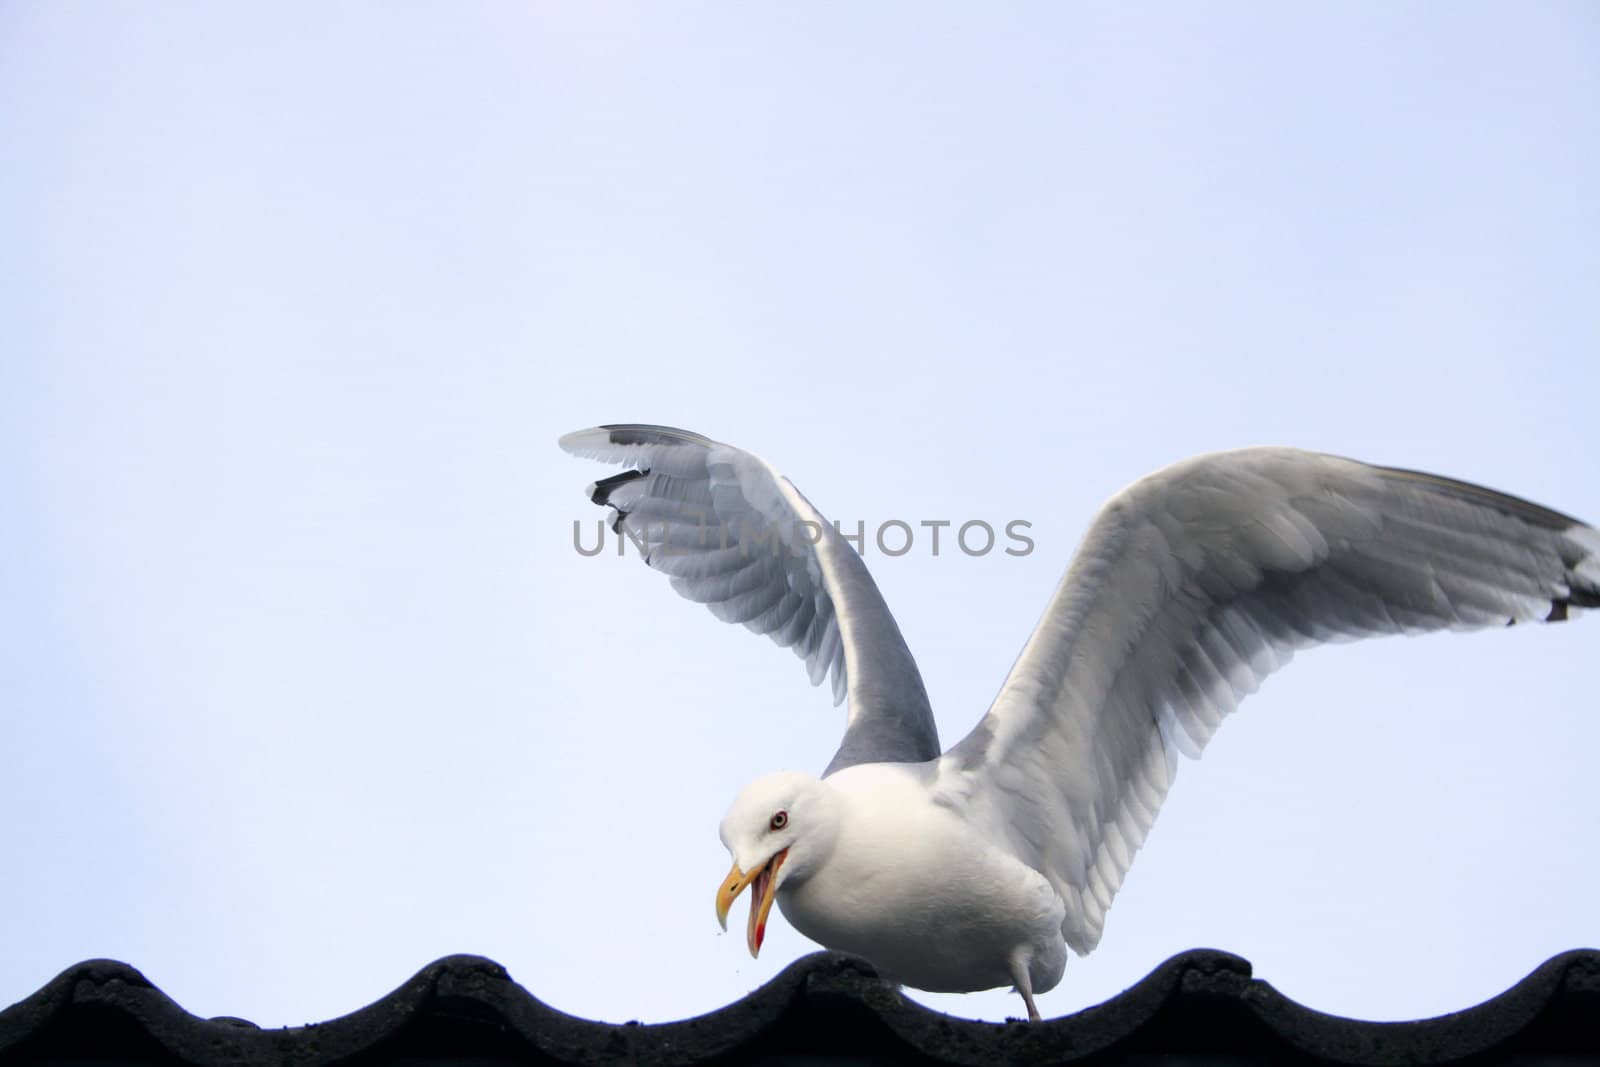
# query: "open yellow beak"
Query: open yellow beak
{"points": [[765, 880]]}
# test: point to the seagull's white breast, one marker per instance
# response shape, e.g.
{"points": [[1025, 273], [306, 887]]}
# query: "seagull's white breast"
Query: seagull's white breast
{"points": [[915, 889]]}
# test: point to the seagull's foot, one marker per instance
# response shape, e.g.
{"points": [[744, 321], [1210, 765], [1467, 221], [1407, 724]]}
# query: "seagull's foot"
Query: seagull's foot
{"points": [[1033, 1012], [1024, 982]]}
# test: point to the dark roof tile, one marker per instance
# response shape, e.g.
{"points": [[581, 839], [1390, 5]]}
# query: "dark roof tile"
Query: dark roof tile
{"points": [[1198, 1006]]}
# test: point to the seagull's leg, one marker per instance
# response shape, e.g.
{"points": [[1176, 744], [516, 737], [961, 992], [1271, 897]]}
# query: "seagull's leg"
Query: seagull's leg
{"points": [[1024, 983]]}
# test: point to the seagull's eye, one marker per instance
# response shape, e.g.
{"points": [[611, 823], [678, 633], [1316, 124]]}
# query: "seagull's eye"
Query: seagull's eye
{"points": [[780, 820]]}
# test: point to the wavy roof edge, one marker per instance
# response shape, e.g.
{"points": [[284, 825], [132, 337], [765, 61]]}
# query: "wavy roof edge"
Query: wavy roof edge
{"points": [[823, 1004]]}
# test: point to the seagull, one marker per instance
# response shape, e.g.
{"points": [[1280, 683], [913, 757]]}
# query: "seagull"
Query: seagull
{"points": [[981, 866]]}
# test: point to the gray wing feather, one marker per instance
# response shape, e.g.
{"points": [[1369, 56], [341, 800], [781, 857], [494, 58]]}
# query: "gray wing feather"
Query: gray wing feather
{"points": [[732, 533], [1191, 586]]}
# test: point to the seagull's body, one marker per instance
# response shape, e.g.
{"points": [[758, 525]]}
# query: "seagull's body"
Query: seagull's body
{"points": [[963, 913], [982, 865]]}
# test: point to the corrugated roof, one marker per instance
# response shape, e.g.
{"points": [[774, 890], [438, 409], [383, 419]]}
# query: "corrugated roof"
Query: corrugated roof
{"points": [[1201, 1006]]}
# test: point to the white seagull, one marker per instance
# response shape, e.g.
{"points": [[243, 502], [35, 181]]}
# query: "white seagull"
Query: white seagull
{"points": [[981, 866]]}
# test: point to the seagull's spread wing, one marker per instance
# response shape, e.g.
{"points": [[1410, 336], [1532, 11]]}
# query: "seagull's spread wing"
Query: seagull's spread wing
{"points": [[1194, 584], [737, 536]]}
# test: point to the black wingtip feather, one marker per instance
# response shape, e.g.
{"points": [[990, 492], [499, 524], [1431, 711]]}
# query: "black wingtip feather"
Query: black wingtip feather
{"points": [[600, 492], [645, 433], [1561, 608]]}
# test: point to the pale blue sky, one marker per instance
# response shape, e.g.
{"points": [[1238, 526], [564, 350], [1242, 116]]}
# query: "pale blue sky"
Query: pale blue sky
{"points": [[303, 684]]}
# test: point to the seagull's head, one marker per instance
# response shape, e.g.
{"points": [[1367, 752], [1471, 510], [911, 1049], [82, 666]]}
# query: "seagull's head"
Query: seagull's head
{"points": [[779, 827]]}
